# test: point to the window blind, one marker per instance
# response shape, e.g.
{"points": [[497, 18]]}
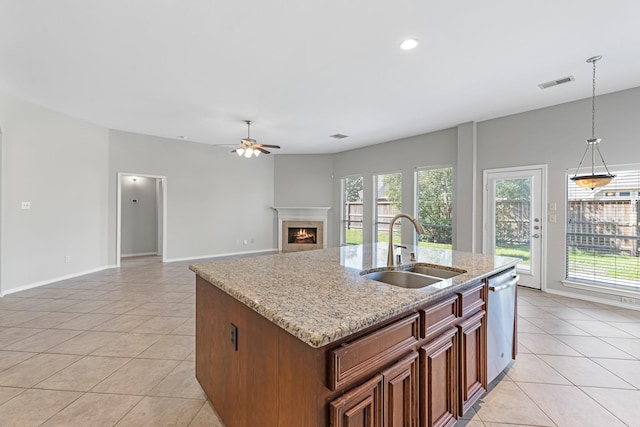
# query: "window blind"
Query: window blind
{"points": [[603, 232]]}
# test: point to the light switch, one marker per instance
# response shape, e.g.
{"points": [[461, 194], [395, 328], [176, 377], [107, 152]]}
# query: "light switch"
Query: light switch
{"points": [[26, 205], [553, 206], [552, 218]]}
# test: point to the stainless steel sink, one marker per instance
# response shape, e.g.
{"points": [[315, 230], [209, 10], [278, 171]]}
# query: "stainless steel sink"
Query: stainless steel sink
{"points": [[435, 272], [402, 279]]}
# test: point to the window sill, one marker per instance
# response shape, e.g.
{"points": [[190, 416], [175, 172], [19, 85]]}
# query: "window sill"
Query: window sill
{"points": [[603, 289]]}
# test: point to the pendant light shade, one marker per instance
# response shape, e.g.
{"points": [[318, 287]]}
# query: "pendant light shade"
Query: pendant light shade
{"points": [[593, 180]]}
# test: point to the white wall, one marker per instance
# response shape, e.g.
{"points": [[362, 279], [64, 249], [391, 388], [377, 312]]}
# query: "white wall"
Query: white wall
{"points": [[140, 219], [58, 164], [215, 200]]}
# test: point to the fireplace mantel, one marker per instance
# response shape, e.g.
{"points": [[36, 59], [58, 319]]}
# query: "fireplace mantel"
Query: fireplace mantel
{"points": [[302, 214]]}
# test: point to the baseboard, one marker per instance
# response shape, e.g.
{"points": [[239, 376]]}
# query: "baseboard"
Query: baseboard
{"points": [[593, 299], [220, 255], [57, 279], [140, 254]]}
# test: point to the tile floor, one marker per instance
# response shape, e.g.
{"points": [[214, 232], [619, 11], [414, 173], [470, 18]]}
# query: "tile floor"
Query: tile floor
{"points": [[110, 348], [116, 348], [578, 366]]}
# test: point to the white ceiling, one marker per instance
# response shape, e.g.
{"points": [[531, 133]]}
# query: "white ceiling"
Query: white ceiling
{"points": [[304, 70]]}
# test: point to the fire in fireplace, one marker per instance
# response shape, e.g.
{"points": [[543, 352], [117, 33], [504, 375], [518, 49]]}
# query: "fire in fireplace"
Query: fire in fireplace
{"points": [[304, 235]]}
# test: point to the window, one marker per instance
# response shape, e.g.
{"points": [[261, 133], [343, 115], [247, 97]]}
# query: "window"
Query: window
{"points": [[388, 199], [603, 232], [352, 210], [434, 206]]}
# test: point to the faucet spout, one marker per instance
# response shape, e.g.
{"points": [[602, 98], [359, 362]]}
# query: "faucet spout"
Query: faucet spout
{"points": [[415, 223]]}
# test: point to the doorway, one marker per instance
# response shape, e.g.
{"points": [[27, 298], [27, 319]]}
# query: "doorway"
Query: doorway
{"points": [[141, 216], [514, 201]]}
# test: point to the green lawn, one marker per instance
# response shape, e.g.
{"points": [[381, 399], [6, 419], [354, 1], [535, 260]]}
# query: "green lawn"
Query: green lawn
{"points": [[608, 265], [605, 265], [354, 237], [516, 252]]}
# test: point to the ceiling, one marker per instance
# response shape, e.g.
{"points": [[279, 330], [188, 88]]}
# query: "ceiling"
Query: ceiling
{"points": [[305, 70]]}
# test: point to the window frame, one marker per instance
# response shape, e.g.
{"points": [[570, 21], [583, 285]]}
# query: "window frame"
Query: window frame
{"points": [[416, 203], [343, 220], [599, 286], [374, 178]]}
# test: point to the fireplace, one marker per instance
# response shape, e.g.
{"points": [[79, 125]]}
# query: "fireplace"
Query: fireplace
{"points": [[301, 229], [302, 235]]}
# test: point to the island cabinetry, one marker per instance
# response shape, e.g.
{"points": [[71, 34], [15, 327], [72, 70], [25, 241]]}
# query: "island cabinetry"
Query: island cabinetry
{"points": [[389, 397], [422, 368], [453, 360], [439, 363], [360, 407], [472, 335]]}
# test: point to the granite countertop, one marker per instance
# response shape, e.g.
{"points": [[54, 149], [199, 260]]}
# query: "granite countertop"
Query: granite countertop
{"points": [[319, 296]]}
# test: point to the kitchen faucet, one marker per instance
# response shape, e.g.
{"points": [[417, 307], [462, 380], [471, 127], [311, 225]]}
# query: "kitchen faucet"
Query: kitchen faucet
{"points": [[416, 224]]}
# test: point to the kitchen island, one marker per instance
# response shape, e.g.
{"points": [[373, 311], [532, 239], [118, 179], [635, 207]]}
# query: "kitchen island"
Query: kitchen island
{"points": [[303, 339]]}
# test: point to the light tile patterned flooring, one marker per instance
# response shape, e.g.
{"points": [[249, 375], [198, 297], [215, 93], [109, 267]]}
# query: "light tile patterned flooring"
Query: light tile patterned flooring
{"points": [[110, 348], [578, 366], [116, 348]]}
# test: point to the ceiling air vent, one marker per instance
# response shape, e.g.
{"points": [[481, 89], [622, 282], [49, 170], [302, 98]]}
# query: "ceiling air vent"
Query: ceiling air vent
{"points": [[339, 136], [556, 82]]}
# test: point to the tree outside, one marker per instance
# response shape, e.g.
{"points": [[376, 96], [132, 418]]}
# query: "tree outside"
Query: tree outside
{"points": [[435, 202]]}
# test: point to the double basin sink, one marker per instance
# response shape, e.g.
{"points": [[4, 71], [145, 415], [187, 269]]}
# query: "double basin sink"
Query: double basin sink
{"points": [[415, 277]]}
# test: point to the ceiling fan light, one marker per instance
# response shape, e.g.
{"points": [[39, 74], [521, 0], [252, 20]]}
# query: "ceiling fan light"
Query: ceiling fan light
{"points": [[256, 153], [240, 151], [592, 181], [248, 152]]}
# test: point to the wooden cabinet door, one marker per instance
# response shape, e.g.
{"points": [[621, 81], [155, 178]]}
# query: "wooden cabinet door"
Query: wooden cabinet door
{"points": [[438, 380], [360, 407], [473, 362], [400, 393]]}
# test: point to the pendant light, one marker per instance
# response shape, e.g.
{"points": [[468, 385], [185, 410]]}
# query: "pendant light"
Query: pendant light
{"points": [[593, 180]]}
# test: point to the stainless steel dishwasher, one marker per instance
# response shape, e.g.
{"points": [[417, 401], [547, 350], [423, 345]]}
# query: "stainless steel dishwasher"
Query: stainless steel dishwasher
{"points": [[501, 321]]}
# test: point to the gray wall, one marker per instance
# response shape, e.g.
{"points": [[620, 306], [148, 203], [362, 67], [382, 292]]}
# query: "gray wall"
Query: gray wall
{"points": [[67, 169], [305, 180], [405, 156], [556, 136], [140, 219], [215, 200], [58, 164]]}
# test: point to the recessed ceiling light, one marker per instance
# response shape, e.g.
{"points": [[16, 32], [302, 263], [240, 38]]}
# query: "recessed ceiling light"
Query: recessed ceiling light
{"points": [[182, 136], [339, 136], [409, 44]]}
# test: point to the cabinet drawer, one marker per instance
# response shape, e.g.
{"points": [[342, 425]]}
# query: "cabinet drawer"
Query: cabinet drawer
{"points": [[472, 299], [438, 317], [355, 360]]}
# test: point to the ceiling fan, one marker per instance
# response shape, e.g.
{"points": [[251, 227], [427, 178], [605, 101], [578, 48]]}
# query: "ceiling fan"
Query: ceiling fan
{"points": [[249, 147]]}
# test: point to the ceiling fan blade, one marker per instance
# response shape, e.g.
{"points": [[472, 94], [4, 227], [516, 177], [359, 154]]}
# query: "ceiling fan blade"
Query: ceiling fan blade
{"points": [[233, 151], [270, 146], [261, 150]]}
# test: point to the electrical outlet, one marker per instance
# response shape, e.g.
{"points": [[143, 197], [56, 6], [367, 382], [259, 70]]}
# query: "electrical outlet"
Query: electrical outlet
{"points": [[67, 259], [25, 205], [234, 337], [628, 300]]}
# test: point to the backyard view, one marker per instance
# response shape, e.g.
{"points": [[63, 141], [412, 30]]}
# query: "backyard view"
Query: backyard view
{"points": [[603, 232], [434, 200]]}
